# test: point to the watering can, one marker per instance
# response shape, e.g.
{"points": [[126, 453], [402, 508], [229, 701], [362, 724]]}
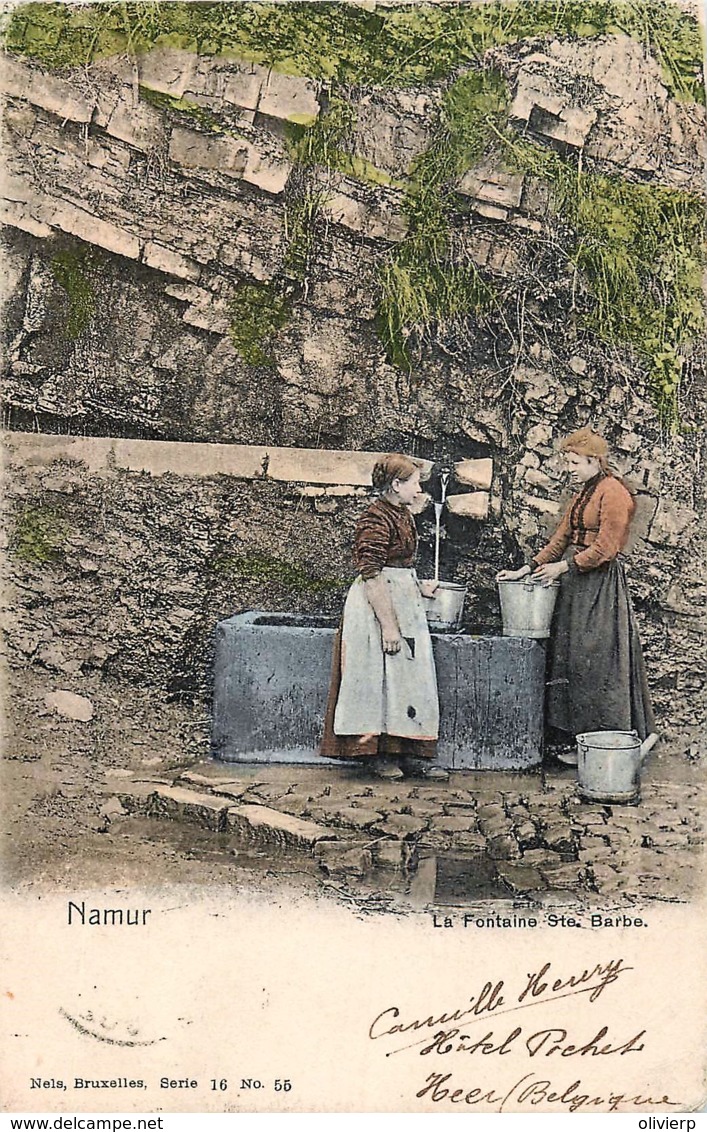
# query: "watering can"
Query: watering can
{"points": [[609, 765]]}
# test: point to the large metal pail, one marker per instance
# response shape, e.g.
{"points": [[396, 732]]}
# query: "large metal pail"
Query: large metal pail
{"points": [[609, 763], [444, 610], [527, 607]]}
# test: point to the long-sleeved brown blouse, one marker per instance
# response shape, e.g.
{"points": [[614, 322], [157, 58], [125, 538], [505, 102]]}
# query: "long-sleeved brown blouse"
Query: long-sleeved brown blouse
{"points": [[385, 536], [597, 522]]}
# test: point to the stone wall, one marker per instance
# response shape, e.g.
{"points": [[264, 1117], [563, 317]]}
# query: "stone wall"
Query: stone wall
{"points": [[124, 556]]}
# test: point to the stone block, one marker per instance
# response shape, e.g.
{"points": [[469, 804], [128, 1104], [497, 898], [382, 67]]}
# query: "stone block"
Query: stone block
{"points": [[472, 505], [490, 211], [536, 90], [34, 449], [188, 293], [167, 70], [19, 216], [455, 823], [269, 175], [212, 319], [321, 466], [51, 93], [139, 126], [195, 150], [235, 157], [520, 878], [354, 817], [493, 187], [374, 223], [344, 860], [265, 826], [559, 837], [199, 459], [289, 97], [92, 230], [242, 87], [402, 825], [671, 521], [179, 804], [69, 705], [170, 262], [398, 855], [544, 506], [474, 473]]}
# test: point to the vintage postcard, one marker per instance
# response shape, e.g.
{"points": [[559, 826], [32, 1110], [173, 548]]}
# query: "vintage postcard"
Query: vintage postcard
{"points": [[354, 671]]}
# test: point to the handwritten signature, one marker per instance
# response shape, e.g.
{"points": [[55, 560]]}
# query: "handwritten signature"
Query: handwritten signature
{"points": [[495, 998], [534, 1091]]}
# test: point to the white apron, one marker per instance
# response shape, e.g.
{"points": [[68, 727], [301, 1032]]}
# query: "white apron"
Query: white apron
{"points": [[381, 694]]}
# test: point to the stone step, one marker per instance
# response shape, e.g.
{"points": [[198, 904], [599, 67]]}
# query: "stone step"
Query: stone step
{"points": [[262, 825]]}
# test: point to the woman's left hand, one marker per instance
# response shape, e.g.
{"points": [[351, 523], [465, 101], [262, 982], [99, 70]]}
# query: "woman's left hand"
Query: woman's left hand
{"points": [[429, 587], [549, 573]]}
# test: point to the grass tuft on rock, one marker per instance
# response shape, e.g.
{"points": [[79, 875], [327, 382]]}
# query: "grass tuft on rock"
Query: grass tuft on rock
{"points": [[258, 313]]}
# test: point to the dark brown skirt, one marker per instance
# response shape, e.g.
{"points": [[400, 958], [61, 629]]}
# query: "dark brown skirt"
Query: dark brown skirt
{"points": [[364, 746], [596, 675]]}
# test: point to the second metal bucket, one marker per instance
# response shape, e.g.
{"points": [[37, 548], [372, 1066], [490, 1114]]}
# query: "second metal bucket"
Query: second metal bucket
{"points": [[444, 610], [527, 608]]}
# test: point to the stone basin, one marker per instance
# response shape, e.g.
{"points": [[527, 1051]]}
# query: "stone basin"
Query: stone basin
{"points": [[271, 678]]}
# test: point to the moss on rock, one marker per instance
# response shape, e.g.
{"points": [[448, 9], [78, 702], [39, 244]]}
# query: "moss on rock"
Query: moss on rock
{"points": [[38, 534]]}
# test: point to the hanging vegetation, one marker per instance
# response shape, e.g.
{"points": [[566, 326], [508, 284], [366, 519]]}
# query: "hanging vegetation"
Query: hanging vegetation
{"points": [[397, 45]]}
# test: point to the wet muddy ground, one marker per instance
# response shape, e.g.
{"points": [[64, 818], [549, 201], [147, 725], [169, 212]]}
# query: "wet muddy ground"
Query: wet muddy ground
{"points": [[132, 798]]}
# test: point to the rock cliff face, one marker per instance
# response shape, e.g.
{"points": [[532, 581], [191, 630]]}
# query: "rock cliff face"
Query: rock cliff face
{"points": [[202, 248]]}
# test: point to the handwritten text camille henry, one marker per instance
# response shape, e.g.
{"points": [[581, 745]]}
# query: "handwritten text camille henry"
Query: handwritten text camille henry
{"points": [[454, 1031]]}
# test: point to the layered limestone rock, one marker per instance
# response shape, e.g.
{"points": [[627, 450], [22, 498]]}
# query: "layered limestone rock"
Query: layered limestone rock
{"points": [[166, 280]]}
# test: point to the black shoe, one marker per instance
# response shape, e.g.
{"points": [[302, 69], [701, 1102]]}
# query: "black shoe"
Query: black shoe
{"points": [[423, 768]]}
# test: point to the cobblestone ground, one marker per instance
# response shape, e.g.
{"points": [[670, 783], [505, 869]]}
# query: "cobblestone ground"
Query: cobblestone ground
{"points": [[482, 835]]}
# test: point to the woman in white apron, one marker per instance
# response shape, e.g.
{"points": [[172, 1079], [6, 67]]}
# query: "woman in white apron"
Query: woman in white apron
{"points": [[383, 704]]}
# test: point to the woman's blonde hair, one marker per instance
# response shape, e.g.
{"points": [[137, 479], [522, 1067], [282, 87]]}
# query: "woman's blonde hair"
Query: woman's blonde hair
{"points": [[394, 466], [586, 442]]}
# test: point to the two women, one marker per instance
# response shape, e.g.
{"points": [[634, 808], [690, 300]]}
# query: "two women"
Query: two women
{"points": [[596, 676], [383, 703]]}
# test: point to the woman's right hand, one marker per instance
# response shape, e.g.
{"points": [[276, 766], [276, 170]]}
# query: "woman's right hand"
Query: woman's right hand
{"points": [[512, 575], [392, 640]]}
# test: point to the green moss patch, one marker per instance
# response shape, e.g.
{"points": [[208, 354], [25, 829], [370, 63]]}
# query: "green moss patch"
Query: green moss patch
{"points": [[393, 46], [38, 534], [69, 267], [641, 248], [269, 570], [258, 313]]}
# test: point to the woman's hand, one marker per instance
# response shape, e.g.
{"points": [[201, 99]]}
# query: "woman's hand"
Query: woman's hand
{"points": [[392, 641], [548, 573], [512, 575], [428, 588]]}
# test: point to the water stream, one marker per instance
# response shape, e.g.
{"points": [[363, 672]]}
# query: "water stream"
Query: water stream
{"points": [[439, 507]]}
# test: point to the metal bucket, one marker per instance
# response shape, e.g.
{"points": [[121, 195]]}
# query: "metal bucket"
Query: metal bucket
{"points": [[609, 764], [444, 610], [527, 607]]}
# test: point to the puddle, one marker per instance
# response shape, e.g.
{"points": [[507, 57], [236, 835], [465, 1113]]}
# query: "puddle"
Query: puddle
{"points": [[438, 880], [456, 880]]}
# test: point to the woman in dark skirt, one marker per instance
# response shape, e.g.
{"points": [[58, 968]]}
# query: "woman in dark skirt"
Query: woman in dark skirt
{"points": [[596, 675]]}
